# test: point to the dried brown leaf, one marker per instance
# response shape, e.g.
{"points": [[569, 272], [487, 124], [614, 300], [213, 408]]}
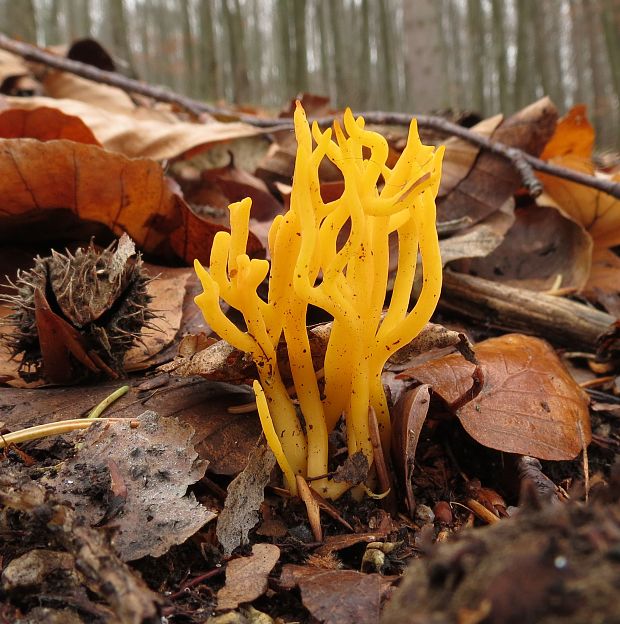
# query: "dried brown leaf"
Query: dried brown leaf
{"points": [[39, 180], [246, 577], [237, 184], [156, 463], [493, 180], [529, 403], [342, 596], [571, 146], [480, 239], [244, 499], [168, 292], [11, 67], [542, 250], [223, 439], [461, 155], [408, 417], [45, 124], [138, 132]]}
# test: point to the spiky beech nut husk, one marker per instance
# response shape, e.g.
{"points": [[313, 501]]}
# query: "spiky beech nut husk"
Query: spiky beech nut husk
{"points": [[101, 294]]}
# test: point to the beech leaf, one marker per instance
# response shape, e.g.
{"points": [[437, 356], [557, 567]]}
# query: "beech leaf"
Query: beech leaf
{"points": [[41, 181], [529, 404]]}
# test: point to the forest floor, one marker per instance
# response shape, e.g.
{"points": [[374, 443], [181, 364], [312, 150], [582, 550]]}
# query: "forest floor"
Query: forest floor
{"points": [[163, 503]]}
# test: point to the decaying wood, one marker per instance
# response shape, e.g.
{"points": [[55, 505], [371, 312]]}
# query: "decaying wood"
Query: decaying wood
{"points": [[523, 162], [559, 320]]}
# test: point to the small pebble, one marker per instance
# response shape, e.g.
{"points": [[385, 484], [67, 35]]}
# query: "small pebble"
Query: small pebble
{"points": [[424, 514]]}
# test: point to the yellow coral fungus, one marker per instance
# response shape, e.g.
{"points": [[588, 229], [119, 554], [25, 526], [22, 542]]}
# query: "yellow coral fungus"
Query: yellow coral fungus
{"points": [[310, 266]]}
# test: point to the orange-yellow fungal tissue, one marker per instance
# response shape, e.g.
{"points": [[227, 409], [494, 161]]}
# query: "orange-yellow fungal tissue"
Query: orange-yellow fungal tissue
{"points": [[310, 266]]}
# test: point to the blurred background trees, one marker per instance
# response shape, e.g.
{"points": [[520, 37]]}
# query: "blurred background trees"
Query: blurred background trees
{"points": [[485, 56]]}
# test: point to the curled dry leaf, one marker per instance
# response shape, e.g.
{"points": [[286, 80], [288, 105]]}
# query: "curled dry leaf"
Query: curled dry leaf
{"points": [[45, 124], [461, 155], [573, 136], [571, 146], [11, 66], [542, 250], [493, 180], [168, 292], [528, 404], [222, 362], [137, 136], [42, 181], [604, 281], [65, 86], [434, 341], [246, 577], [480, 239], [237, 184], [152, 465], [245, 496], [335, 543], [408, 417]]}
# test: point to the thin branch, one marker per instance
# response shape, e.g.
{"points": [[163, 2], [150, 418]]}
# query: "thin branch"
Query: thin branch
{"points": [[524, 163], [161, 94]]}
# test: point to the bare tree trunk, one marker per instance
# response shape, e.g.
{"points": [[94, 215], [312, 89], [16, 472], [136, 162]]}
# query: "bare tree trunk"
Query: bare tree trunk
{"points": [[553, 24], [475, 28], [546, 49], [501, 61], [236, 50], [256, 54], [20, 20], [327, 86], [541, 62], [598, 84], [579, 56], [284, 35], [422, 31], [189, 62], [364, 56], [335, 14], [456, 89], [145, 67], [524, 89], [610, 19], [386, 55], [301, 61], [119, 34], [208, 77], [78, 18], [162, 17], [51, 25]]}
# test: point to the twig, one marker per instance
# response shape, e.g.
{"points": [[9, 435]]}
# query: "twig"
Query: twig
{"points": [[561, 321], [33, 53], [524, 163], [99, 409], [56, 428], [481, 511]]}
